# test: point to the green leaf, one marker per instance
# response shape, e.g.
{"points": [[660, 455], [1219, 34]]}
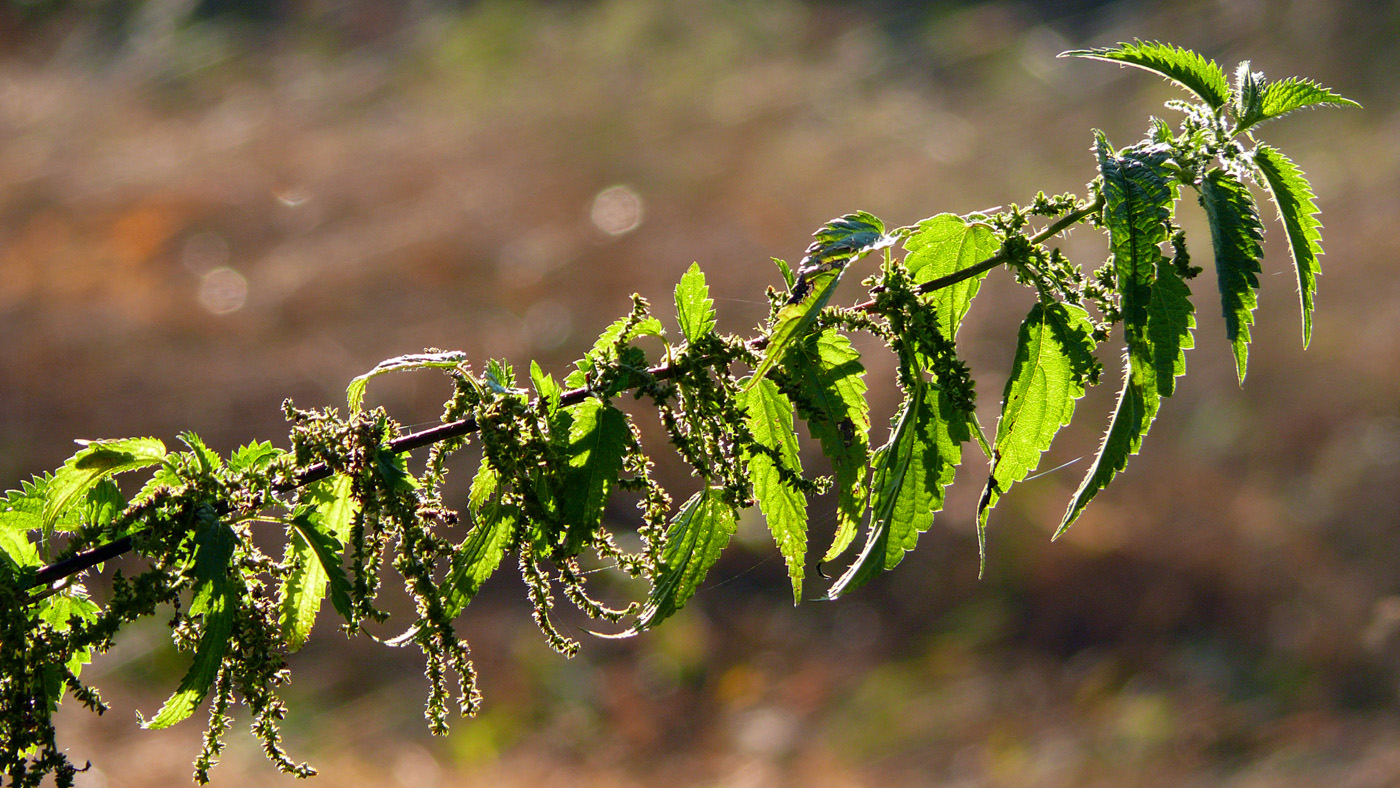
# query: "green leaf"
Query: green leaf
{"points": [[782, 503], [839, 242], [1182, 66], [215, 600], [253, 457], [58, 611], [315, 541], [1248, 95], [1293, 196], [1157, 312], [910, 472], [93, 463], [209, 461], [545, 386], [789, 278], [1054, 361], [598, 438], [1293, 94], [943, 245], [1236, 234], [355, 392], [619, 332], [694, 541], [480, 553], [694, 309], [826, 382]]}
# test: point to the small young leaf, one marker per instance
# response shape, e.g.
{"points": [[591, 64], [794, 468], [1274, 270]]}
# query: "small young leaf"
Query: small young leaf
{"points": [[783, 505], [789, 278], [827, 384], [355, 392], [943, 245], [1292, 94], [694, 310], [1054, 360], [95, 462], [1293, 196], [1236, 234], [694, 541], [1248, 95], [215, 600], [910, 472], [598, 436], [58, 611], [1182, 66], [545, 386], [253, 457]]}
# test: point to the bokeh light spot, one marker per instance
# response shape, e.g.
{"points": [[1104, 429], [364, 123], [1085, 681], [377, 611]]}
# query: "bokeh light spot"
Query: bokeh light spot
{"points": [[617, 210], [223, 290]]}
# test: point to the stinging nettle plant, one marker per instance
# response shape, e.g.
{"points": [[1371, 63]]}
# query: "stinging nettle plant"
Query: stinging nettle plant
{"points": [[550, 460]]}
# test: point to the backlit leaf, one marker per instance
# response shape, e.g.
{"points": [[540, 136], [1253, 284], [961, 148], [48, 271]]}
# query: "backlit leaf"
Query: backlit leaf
{"points": [[783, 504], [700, 531], [96, 461], [1293, 196], [1236, 235], [480, 553], [1182, 66], [598, 437], [695, 311], [1054, 360], [355, 392], [943, 245], [827, 385]]}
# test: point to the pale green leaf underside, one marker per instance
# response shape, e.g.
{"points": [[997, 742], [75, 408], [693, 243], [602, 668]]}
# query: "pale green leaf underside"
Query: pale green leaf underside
{"points": [[1054, 357], [1186, 68], [783, 505], [700, 531], [695, 311], [1293, 196], [829, 391], [943, 245], [93, 463], [1236, 235], [355, 392]]}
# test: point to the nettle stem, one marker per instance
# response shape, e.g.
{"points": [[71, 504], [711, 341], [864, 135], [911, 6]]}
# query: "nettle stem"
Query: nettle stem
{"points": [[58, 571]]}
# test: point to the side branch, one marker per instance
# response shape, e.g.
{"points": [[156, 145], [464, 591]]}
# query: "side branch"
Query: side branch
{"points": [[87, 559]]}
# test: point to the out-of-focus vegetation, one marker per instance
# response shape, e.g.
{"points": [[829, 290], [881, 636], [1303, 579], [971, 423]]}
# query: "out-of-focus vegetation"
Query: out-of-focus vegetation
{"points": [[203, 212]]}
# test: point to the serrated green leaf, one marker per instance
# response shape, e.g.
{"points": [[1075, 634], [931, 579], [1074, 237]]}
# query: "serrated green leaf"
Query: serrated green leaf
{"points": [[1236, 235], [58, 611], [1293, 94], [695, 311], [315, 541], [838, 243], [1054, 361], [102, 503], [1182, 66], [1293, 196], [93, 463], [614, 333], [826, 382], [253, 457], [355, 392], [943, 245], [480, 553], [783, 505], [545, 386], [598, 438], [697, 536], [789, 278], [1157, 312], [1134, 413], [906, 488], [215, 601], [208, 460]]}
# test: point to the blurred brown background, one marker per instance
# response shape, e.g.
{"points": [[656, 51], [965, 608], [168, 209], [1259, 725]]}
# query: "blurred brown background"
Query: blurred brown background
{"points": [[207, 206]]}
